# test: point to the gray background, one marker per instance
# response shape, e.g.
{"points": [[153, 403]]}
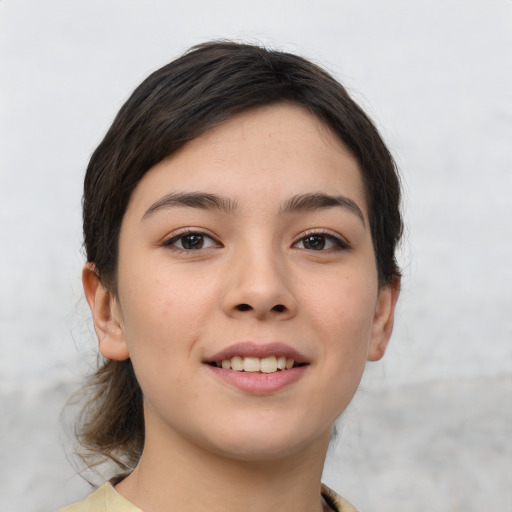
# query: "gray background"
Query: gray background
{"points": [[431, 427]]}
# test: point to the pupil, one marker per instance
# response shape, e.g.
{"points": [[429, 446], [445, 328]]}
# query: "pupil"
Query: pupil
{"points": [[192, 242], [315, 242]]}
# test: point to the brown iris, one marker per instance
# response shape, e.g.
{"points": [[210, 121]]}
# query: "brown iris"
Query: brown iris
{"points": [[314, 242], [192, 241]]}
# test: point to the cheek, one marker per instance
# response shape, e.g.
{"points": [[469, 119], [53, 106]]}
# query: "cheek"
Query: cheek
{"points": [[346, 302], [344, 320], [163, 311], [153, 294]]}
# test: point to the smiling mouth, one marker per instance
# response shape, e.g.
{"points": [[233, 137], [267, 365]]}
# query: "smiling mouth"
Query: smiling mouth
{"points": [[269, 364]]}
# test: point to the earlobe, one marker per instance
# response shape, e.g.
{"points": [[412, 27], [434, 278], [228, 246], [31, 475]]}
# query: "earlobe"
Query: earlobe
{"points": [[106, 316], [383, 319]]}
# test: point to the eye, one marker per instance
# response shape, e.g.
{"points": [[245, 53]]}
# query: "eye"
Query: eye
{"points": [[321, 242], [190, 241]]}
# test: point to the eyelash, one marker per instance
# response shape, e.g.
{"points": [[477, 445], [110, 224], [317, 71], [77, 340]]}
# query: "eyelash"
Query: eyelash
{"points": [[181, 236], [339, 244]]}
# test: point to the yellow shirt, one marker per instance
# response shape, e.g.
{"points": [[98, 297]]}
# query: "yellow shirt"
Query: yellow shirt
{"points": [[107, 499]]}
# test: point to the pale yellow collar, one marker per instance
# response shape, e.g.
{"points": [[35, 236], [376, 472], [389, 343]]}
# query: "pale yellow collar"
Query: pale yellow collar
{"points": [[107, 499]]}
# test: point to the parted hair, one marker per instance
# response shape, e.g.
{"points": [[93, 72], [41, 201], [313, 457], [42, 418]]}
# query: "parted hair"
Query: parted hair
{"points": [[206, 86]]}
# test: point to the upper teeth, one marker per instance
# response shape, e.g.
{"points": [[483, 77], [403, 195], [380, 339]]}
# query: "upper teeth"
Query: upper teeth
{"points": [[256, 364]]}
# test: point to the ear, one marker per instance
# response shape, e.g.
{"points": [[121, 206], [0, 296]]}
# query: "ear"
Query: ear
{"points": [[383, 319], [106, 315]]}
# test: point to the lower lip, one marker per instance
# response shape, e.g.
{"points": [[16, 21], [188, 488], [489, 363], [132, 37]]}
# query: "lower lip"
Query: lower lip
{"points": [[259, 383]]}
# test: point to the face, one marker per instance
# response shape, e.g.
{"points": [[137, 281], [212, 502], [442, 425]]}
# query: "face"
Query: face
{"points": [[248, 297]]}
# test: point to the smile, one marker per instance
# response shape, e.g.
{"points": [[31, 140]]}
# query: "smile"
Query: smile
{"points": [[258, 368], [270, 364]]}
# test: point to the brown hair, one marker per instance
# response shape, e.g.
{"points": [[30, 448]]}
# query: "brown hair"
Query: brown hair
{"points": [[175, 104]]}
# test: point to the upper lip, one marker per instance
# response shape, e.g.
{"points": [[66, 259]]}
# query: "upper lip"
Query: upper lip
{"points": [[254, 349]]}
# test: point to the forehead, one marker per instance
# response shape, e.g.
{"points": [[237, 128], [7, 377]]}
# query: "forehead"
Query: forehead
{"points": [[263, 154]]}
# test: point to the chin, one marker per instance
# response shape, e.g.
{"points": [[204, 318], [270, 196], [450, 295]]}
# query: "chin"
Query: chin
{"points": [[262, 453], [258, 444]]}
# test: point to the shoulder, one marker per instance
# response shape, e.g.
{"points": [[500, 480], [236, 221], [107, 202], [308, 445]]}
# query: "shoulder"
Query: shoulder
{"points": [[105, 499], [335, 501]]}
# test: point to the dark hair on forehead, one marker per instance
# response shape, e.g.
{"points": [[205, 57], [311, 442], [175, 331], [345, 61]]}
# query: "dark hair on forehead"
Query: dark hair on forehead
{"points": [[209, 84]]}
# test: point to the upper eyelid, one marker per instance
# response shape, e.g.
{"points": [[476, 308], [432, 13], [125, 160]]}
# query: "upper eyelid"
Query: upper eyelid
{"points": [[189, 231], [170, 239], [321, 231], [175, 235]]}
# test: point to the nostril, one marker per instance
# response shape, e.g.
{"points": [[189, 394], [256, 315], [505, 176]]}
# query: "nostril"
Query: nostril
{"points": [[244, 307], [279, 308]]}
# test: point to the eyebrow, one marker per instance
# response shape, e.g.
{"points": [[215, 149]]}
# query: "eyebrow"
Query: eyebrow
{"points": [[319, 201], [298, 203], [200, 200]]}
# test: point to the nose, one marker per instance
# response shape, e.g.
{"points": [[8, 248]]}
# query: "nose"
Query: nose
{"points": [[259, 286]]}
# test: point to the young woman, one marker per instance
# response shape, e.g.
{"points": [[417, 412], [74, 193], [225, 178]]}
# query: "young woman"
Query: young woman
{"points": [[240, 220]]}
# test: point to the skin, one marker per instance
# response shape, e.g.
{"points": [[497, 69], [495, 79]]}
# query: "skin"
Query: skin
{"points": [[259, 278]]}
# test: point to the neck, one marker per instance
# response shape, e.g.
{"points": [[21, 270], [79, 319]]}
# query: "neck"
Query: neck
{"points": [[176, 475]]}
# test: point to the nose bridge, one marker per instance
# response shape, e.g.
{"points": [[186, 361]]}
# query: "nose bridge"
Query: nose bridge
{"points": [[259, 283]]}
